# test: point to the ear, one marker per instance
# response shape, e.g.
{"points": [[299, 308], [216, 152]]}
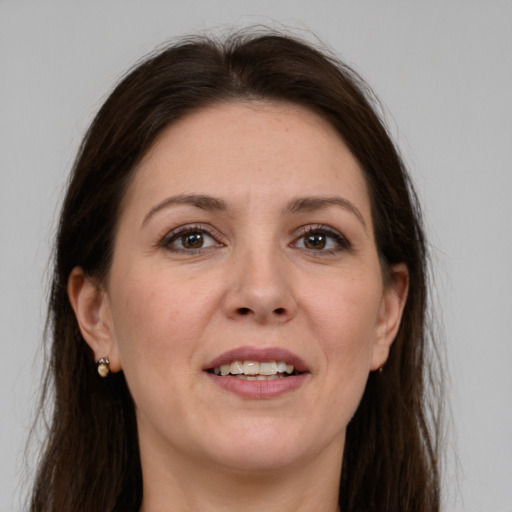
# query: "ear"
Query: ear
{"points": [[91, 305], [390, 313]]}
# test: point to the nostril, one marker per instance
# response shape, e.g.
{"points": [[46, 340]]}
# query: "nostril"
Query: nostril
{"points": [[244, 311], [279, 311]]}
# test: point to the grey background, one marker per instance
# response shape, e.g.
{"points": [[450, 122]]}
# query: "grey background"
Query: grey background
{"points": [[444, 71]]}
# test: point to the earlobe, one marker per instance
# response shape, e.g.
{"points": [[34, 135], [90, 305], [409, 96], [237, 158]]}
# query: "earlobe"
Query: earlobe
{"points": [[92, 310], [390, 314]]}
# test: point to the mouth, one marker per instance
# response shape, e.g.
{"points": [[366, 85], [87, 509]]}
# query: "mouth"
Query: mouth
{"points": [[257, 373], [255, 370]]}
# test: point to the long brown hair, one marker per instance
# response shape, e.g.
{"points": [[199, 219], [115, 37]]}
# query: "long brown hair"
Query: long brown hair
{"points": [[91, 459]]}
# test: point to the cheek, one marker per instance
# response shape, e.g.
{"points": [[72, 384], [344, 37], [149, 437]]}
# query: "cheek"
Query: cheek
{"points": [[345, 318], [348, 309], [157, 321], [157, 328]]}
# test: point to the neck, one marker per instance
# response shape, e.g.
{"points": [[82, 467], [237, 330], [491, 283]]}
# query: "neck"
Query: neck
{"points": [[185, 486]]}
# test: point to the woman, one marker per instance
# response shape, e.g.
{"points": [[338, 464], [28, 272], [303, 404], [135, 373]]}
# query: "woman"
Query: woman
{"points": [[240, 257]]}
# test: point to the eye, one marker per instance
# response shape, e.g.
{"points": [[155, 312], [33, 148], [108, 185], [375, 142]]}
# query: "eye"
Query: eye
{"points": [[321, 239], [189, 239]]}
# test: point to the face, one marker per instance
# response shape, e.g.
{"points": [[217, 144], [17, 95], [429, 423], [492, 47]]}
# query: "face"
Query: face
{"points": [[245, 297]]}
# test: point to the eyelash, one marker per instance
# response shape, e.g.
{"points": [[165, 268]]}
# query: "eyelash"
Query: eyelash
{"points": [[183, 231], [341, 242]]}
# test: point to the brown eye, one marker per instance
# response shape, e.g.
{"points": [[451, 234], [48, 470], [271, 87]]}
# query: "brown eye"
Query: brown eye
{"points": [[315, 241], [322, 240], [192, 240]]}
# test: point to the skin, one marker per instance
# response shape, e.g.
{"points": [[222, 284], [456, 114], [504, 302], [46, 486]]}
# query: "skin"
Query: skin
{"points": [[166, 310]]}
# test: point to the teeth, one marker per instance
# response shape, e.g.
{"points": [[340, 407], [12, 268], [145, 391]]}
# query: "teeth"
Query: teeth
{"points": [[268, 368], [259, 377], [281, 367], [236, 368], [284, 368], [253, 370]]}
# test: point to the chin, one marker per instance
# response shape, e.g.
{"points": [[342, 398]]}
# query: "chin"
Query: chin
{"points": [[264, 447], [261, 461]]}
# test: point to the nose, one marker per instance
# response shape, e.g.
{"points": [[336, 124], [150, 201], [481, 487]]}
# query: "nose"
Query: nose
{"points": [[261, 289]]}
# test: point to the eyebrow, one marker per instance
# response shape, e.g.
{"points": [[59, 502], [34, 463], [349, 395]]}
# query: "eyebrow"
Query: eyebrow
{"points": [[311, 204], [299, 204], [203, 202]]}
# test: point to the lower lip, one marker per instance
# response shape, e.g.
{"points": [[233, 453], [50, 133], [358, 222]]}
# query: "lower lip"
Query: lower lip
{"points": [[259, 389]]}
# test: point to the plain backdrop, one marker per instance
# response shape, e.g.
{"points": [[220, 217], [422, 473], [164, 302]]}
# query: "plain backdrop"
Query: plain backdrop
{"points": [[443, 70]]}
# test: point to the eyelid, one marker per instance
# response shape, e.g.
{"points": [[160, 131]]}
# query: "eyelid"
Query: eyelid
{"points": [[342, 241], [175, 233]]}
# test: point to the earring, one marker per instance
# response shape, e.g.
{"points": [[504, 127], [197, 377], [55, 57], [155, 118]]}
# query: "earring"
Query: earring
{"points": [[103, 367]]}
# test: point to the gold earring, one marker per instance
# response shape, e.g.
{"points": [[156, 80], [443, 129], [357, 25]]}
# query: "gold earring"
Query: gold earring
{"points": [[103, 367]]}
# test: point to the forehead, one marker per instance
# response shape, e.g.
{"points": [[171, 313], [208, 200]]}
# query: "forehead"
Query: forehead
{"points": [[249, 150]]}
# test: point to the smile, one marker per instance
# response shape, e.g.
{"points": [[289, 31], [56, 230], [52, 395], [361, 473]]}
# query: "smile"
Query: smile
{"points": [[254, 370], [258, 373]]}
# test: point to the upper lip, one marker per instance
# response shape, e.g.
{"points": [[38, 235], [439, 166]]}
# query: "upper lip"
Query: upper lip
{"points": [[259, 355]]}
